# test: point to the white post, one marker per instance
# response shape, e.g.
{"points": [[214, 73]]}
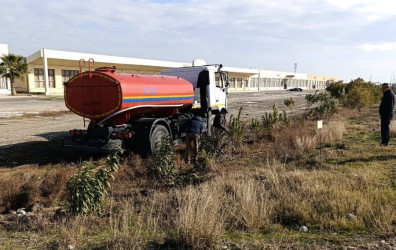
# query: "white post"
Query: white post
{"points": [[45, 72], [259, 80]]}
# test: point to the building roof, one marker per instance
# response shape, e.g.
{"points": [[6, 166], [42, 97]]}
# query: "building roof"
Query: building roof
{"points": [[71, 59], [67, 58]]}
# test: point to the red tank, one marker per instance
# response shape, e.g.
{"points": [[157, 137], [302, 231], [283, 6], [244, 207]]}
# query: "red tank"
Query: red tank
{"points": [[107, 96]]}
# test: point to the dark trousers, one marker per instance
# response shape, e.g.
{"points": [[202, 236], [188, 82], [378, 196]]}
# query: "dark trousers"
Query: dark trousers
{"points": [[385, 130], [192, 150]]}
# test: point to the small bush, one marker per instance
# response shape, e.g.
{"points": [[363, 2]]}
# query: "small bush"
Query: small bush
{"points": [[325, 105], [289, 102], [203, 163], [161, 165], [255, 125], [274, 119], [361, 96], [87, 188], [236, 127], [214, 144], [337, 89]]}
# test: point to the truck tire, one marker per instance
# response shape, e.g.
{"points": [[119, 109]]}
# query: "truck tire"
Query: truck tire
{"points": [[159, 131]]}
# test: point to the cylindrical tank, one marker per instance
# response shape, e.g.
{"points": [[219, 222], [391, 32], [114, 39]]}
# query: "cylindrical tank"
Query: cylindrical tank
{"points": [[104, 92]]}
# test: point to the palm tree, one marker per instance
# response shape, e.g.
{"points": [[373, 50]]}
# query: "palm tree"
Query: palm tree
{"points": [[13, 67]]}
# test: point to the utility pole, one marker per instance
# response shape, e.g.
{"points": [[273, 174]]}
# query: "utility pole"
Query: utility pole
{"points": [[295, 67]]}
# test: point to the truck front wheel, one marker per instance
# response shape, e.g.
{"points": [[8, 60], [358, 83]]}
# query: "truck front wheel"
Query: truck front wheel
{"points": [[159, 131]]}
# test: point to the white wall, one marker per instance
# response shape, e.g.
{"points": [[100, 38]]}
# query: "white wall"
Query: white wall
{"points": [[281, 74]]}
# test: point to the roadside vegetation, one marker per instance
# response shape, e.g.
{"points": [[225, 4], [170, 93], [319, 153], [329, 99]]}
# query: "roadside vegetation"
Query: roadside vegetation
{"points": [[13, 67], [260, 186]]}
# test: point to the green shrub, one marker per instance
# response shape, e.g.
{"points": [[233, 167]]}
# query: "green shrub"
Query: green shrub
{"points": [[361, 94], [161, 166], [274, 119], [285, 118], [289, 102], [255, 125], [270, 120], [355, 94], [325, 105], [337, 89], [87, 188], [236, 127], [203, 162], [213, 144]]}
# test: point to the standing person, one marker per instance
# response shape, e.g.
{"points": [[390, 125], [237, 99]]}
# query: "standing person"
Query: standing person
{"points": [[220, 120], [194, 130], [386, 112]]}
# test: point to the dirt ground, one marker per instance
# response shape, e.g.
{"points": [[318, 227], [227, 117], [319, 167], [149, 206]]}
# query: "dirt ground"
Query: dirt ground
{"points": [[41, 118]]}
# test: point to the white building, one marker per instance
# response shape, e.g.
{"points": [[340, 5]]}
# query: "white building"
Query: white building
{"points": [[49, 69]]}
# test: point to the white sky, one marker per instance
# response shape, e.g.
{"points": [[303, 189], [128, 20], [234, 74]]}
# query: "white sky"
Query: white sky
{"points": [[345, 38]]}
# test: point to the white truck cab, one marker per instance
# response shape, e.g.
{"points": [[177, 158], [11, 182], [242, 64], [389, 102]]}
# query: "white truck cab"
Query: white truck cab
{"points": [[210, 85]]}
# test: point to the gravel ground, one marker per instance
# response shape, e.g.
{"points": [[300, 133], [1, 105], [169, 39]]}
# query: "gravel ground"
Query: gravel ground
{"points": [[41, 118]]}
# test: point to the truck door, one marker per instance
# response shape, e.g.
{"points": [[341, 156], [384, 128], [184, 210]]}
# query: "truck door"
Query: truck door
{"points": [[202, 84], [221, 90]]}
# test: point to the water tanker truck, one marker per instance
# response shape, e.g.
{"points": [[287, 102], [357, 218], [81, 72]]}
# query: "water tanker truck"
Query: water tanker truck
{"points": [[134, 111]]}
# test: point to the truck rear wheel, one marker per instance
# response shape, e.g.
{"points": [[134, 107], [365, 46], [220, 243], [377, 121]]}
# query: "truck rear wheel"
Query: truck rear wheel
{"points": [[159, 131]]}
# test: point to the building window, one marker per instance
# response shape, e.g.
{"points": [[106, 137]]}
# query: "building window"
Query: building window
{"points": [[232, 82], [67, 74], [39, 78], [239, 83], [264, 83], [254, 82]]}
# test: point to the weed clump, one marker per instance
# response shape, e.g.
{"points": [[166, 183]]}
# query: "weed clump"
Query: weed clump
{"points": [[275, 119], [213, 144], [236, 127], [87, 188], [161, 166]]}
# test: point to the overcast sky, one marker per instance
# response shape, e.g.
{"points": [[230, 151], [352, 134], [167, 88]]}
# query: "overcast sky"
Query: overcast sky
{"points": [[345, 38]]}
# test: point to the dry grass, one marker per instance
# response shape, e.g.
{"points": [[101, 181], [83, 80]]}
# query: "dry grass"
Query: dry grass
{"points": [[26, 185], [200, 219], [306, 143], [333, 132], [392, 128], [254, 198]]}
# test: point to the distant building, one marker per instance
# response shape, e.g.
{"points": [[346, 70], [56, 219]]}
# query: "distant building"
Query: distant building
{"points": [[49, 69]]}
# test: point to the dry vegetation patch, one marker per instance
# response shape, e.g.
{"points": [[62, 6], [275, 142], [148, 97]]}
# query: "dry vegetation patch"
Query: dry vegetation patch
{"points": [[256, 195]]}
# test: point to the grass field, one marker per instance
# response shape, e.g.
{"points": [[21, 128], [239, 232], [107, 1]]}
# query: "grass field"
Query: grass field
{"points": [[339, 183]]}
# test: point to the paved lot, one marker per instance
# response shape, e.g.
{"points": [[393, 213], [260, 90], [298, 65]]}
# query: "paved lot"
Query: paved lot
{"points": [[11, 106], [35, 118]]}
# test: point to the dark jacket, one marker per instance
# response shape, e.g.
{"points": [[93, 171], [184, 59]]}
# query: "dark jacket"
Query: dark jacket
{"points": [[387, 105], [220, 122], [195, 125]]}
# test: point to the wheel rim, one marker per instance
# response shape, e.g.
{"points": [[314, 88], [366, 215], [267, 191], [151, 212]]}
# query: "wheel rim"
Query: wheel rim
{"points": [[158, 133]]}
